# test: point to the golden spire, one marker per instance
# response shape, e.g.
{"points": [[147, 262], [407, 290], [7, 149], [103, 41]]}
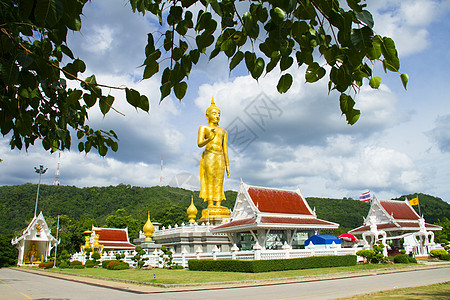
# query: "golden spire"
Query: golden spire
{"points": [[192, 210], [148, 229], [212, 106]]}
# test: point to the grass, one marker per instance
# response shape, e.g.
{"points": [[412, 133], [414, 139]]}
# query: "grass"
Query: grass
{"points": [[166, 276], [433, 291]]}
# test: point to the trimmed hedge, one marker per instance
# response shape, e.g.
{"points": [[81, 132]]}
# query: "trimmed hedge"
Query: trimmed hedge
{"points": [[257, 266], [438, 253], [401, 259], [404, 259], [445, 257]]}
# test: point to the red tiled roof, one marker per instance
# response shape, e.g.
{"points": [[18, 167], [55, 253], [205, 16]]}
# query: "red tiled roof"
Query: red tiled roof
{"points": [[113, 245], [276, 220], [237, 223], [301, 221], [400, 210], [392, 225], [277, 201], [112, 234]]}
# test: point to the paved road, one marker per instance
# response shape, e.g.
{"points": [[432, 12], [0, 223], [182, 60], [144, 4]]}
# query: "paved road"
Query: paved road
{"points": [[16, 284]]}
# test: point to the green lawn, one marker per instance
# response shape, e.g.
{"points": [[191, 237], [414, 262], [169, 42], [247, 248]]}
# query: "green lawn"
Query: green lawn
{"points": [[165, 276], [431, 292]]}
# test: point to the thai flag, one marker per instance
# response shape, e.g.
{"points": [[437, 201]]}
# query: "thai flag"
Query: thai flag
{"points": [[364, 197]]}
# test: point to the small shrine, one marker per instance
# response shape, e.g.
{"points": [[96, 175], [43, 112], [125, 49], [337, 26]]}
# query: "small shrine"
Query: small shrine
{"points": [[36, 242], [397, 225], [267, 218]]}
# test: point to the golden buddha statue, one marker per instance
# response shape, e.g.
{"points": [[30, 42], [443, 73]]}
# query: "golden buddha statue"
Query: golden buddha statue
{"points": [[213, 163], [32, 255]]}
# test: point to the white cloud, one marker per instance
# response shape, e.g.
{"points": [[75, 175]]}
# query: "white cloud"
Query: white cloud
{"points": [[99, 39], [441, 133], [407, 22]]}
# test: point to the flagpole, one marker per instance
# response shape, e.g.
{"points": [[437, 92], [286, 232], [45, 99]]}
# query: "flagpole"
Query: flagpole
{"points": [[418, 204]]}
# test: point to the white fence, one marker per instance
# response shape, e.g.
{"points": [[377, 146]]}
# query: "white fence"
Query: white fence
{"points": [[154, 258]]}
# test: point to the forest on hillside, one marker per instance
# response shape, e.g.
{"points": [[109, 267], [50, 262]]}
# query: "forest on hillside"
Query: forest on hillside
{"points": [[127, 206]]}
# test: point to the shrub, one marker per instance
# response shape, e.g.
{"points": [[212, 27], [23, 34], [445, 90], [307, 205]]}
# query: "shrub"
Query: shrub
{"points": [[76, 264], [63, 265], [437, 253], [412, 260], [401, 259], [445, 257], [95, 256], [373, 256], [117, 265], [78, 267], [138, 258], [91, 264], [256, 266], [46, 265], [105, 263]]}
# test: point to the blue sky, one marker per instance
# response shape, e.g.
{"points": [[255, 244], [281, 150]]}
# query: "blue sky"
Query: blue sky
{"points": [[400, 145]]}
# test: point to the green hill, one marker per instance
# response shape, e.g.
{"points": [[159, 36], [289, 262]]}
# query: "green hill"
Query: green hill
{"points": [[166, 205]]}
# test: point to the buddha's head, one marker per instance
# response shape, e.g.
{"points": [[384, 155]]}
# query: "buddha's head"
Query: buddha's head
{"points": [[213, 113]]}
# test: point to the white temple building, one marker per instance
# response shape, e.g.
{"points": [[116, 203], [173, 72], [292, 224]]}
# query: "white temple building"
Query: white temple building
{"points": [[397, 225], [35, 243], [271, 219]]}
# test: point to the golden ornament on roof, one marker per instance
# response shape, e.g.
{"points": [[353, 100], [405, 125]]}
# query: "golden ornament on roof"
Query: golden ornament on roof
{"points": [[192, 211], [148, 229]]}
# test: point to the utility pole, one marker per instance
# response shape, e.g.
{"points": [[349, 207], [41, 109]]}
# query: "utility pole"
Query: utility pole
{"points": [[40, 171], [56, 246]]}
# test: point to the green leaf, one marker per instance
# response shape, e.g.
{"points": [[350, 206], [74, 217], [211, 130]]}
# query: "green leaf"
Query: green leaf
{"points": [[237, 58], [105, 103], [89, 99], [180, 89], [144, 104], [133, 97], [365, 17], [284, 83], [314, 72], [204, 40], [258, 68], [151, 69], [404, 77], [391, 61], [299, 28], [165, 89], [375, 82], [250, 59], [361, 38], [286, 62], [347, 103], [74, 96], [273, 63], [81, 146]]}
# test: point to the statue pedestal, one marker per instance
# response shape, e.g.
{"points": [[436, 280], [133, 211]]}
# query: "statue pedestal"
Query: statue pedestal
{"points": [[215, 215]]}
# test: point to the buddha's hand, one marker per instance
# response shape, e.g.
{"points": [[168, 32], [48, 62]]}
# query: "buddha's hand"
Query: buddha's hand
{"points": [[212, 134], [228, 171]]}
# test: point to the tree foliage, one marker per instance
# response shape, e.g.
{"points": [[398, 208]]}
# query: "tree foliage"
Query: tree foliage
{"points": [[325, 36], [36, 103], [35, 64]]}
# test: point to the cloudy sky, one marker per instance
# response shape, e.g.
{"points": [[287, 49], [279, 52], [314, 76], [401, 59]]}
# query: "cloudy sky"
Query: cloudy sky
{"points": [[400, 145]]}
